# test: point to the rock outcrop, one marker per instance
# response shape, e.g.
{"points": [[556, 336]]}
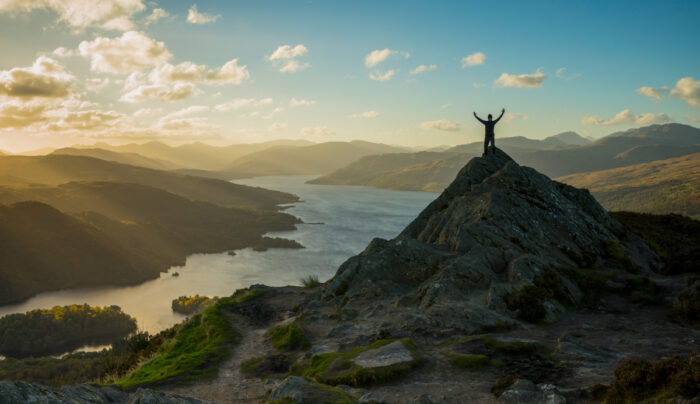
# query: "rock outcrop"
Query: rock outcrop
{"points": [[22, 392], [498, 228]]}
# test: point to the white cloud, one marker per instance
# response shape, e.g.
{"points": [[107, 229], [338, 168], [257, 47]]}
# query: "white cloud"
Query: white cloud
{"points": [[20, 114], [185, 71], [131, 52], [317, 131], [377, 56], [239, 103], [515, 116], [285, 56], [367, 114], [161, 92], [521, 80], [288, 52], [96, 84], [157, 14], [300, 102], [474, 59], [423, 68], [105, 14], [442, 124], [84, 120], [378, 76], [229, 73], [148, 112], [560, 71], [688, 89], [192, 109], [653, 92], [44, 78], [626, 117], [195, 17], [277, 127]]}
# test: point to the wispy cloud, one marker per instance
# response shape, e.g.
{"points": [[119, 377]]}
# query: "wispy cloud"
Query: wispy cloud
{"points": [[657, 93], [474, 59], [521, 80], [317, 131], [367, 114], [423, 68], [378, 76], [294, 102], [286, 58], [195, 17], [626, 117], [442, 124]]}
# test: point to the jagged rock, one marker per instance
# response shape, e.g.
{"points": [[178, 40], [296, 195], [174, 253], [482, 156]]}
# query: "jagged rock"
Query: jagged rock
{"points": [[372, 398], [302, 390], [496, 229], [23, 392], [387, 355], [424, 399], [523, 391]]}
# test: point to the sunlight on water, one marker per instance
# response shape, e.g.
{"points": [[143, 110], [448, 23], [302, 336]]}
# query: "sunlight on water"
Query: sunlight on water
{"points": [[351, 217]]}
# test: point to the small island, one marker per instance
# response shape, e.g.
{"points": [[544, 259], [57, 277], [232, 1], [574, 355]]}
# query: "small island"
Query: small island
{"points": [[192, 304], [62, 328]]}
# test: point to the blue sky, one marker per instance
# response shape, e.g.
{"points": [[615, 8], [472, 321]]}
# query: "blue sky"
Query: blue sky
{"points": [[563, 66]]}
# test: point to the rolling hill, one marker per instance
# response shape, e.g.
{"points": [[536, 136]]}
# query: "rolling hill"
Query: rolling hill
{"points": [[663, 186], [432, 172], [59, 169], [314, 159], [129, 158]]}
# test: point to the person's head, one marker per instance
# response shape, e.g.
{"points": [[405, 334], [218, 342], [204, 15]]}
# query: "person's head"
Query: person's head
{"points": [[490, 117]]}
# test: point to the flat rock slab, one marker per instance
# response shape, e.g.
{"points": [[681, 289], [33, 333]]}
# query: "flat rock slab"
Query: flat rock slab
{"points": [[390, 354]]}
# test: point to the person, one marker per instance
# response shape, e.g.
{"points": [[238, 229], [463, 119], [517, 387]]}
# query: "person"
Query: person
{"points": [[489, 136]]}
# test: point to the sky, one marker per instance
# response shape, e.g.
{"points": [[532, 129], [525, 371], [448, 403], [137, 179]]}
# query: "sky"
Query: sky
{"points": [[397, 72]]}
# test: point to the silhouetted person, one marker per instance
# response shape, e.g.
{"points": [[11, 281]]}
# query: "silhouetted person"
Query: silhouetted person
{"points": [[489, 136]]}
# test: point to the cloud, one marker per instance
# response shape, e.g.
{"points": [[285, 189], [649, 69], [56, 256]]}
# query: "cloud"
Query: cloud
{"points": [[443, 106], [239, 103], [195, 17], [285, 56], [377, 56], [367, 114], [474, 59], [148, 112], [131, 52], [626, 117], [160, 92], [17, 114], [688, 89], [277, 127], [300, 102], [85, 120], [378, 76], [157, 14], [653, 92], [442, 124], [423, 68], [521, 80], [96, 84], [288, 52], [229, 73], [185, 71], [560, 71], [105, 14], [192, 109], [44, 78], [317, 131], [515, 116]]}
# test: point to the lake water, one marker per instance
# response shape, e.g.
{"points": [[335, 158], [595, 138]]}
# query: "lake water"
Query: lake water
{"points": [[352, 216]]}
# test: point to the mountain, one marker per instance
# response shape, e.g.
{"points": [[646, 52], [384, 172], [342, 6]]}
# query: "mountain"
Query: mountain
{"points": [[569, 139], [133, 159], [314, 159], [489, 234], [59, 169], [198, 155], [640, 145], [663, 186], [108, 234]]}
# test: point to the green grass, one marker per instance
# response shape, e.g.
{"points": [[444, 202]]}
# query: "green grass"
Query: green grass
{"points": [[468, 361], [510, 347], [619, 256], [288, 338], [196, 349], [310, 281], [338, 368]]}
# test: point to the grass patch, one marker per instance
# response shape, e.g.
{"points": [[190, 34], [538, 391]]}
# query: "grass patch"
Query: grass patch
{"points": [[267, 366], [338, 368], [638, 380], [288, 338], [502, 384], [196, 348], [510, 347], [310, 281], [619, 257]]}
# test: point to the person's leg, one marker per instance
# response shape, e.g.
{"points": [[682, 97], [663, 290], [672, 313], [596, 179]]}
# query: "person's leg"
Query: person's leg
{"points": [[486, 145], [493, 143]]}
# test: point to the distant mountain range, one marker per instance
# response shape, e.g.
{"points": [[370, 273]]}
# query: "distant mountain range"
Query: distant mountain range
{"points": [[432, 171]]}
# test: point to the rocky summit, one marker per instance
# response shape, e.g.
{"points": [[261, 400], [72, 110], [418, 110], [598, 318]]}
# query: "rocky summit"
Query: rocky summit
{"points": [[476, 256]]}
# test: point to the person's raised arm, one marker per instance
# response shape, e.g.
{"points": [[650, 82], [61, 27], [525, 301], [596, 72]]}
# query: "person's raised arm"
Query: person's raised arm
{"points": [[479, 119], [503, 111]]}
